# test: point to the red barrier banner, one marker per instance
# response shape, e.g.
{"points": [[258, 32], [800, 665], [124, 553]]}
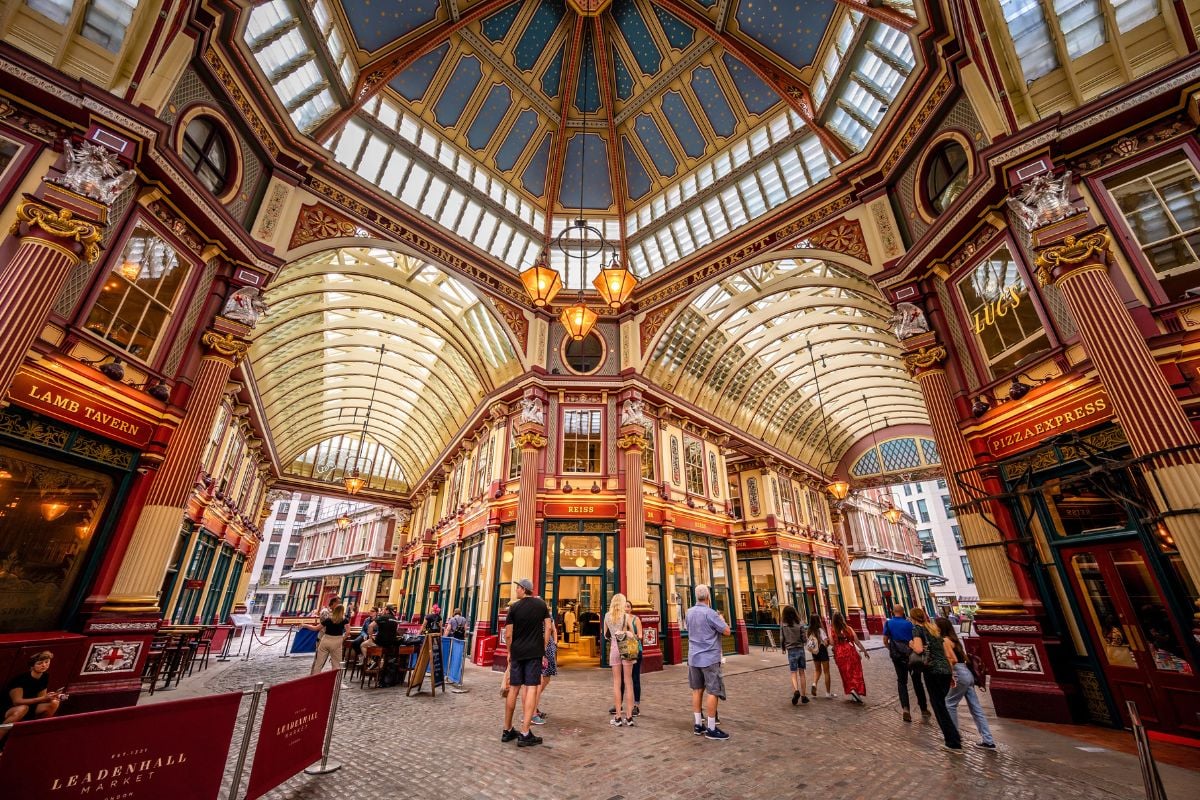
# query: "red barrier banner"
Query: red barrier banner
{"points": [[175, 749], [293, 730]]}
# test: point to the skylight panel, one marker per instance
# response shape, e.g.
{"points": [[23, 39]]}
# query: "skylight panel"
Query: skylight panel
{"points": [[393, 173], [772, 184], [683, 236], [1082, 25], [669, 250], [735, 211], [501, 240], [1031, 37], [1131, 13], [468, 221], [371, 164], [349, 143], [418, 176]]}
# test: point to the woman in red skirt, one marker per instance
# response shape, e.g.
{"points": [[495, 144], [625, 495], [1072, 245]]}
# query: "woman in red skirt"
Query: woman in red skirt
{"points": [[846, 648]]}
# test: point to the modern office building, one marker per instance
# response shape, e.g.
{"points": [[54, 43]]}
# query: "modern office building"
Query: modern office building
{"points": [[941, 540]]}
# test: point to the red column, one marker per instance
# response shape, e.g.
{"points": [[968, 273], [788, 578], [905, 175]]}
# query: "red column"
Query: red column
{"points": [[52, 241]]}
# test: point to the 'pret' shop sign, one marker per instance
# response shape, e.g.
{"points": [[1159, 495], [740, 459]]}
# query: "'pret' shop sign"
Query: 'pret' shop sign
{"points": [[69, 405], [1059, 416]]}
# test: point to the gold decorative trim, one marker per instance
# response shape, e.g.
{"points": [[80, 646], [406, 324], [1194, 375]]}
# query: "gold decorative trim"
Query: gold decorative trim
{"points": [[924, 358], [531, 439], [632, 440], [1072, 252], [62, 224], [226, 345]]}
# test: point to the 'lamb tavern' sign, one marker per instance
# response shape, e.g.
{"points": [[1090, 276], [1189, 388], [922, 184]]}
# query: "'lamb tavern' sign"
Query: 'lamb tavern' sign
{"points": [[45, 396]]}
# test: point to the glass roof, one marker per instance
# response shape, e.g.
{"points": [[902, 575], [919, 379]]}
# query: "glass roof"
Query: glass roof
{"points": [[315, 356], [499, 120], [739, 350]]}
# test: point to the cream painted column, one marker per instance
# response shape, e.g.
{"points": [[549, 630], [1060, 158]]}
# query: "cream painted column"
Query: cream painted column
{"points": [[1151, 416], [986, 548], [140, 577], [668, 556], [487, 586]]}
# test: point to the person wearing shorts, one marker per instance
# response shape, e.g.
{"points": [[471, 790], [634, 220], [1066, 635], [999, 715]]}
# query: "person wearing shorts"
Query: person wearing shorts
{"points": [[705, 628], [527, 631], [792, 638]]}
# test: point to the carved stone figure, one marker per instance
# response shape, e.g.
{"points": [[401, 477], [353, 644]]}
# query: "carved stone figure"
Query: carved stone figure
{"points": [[95, 171], [908, 320], [1043, 199], [633, 412], [245, 306], [532, 411]]}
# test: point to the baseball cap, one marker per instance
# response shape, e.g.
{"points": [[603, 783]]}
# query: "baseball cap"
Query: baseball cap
{"points": [[525, 584]]}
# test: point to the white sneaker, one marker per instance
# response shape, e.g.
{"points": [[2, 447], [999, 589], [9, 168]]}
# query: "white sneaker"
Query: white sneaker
{"points": [[830, 695], [616, 722]]}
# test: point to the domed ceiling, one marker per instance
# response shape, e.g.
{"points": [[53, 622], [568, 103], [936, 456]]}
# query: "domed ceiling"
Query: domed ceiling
{"points": [[626, 108]]}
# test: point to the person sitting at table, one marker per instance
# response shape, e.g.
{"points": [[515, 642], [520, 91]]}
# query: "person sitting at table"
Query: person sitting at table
{"points": [[28, 696], [364, 634]]}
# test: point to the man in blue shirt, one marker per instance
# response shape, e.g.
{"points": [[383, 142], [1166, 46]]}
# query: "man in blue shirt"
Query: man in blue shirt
{"points": [[897, 634], [705, 628]]}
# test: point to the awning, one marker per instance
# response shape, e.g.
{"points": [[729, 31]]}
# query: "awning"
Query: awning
{"points": [[886, 565], [321, 572]]}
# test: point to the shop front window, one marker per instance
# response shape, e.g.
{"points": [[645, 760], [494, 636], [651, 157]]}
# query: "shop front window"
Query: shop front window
{"points": [[48, 518], [654, 575], [1000, 312], [138, 296], [1160, 203], [760, 597]]}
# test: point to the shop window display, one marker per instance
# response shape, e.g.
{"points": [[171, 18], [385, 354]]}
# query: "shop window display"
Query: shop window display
{"points": [[139, 295], [1000, 312], [48, 517]]}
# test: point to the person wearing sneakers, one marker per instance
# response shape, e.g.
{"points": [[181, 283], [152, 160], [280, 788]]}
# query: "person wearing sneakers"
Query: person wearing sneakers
{"points": [[549, 670], [527, 630], [705, 628], [938, 675], [897, 634], [792, 636], [818, 645]]}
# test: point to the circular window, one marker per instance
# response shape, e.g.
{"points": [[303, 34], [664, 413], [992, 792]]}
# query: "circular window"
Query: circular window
{"points": [[205, 152], [584, 356], [946, 175]]}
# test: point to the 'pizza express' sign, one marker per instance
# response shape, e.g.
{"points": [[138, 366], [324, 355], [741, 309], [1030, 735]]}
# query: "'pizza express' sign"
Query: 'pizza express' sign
{"points": [[1060, 416]]}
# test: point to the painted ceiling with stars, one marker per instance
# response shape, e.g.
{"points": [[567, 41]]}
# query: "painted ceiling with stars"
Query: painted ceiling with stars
{"points": [[647, 90]]}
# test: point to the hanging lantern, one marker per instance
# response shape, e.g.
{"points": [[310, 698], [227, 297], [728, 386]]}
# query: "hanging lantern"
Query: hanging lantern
{"points": [[53, 509], [342, 520], [354, 482], [578, 319], [541, 282], [615, 283], [839, 489], [892, 514]]}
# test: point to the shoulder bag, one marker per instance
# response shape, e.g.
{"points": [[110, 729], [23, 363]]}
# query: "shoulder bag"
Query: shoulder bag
{"points": [[627, 644], [918, 662]]}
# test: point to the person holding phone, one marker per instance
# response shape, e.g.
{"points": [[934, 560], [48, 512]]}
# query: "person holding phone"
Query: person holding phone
{"points": [[27, 696]]}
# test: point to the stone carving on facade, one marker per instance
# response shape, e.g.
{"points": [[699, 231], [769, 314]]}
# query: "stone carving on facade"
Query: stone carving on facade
{"points": [[532, 411], [226, 345], [94, 171], [1043, 199], [1074, 251], [244, 306], [908, 320], [531, 439], [633, 412], [924, 358]]}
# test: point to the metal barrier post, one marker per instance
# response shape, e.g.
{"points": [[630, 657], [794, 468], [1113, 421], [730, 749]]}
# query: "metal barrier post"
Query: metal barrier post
{"points": [[326, 766], [1150, 776], [245, 748], [287, 645]]}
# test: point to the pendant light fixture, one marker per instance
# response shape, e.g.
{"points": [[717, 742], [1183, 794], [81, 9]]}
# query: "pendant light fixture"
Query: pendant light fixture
{"points": [[615, 282], [354, 480], [342, 519], [838, 489]]}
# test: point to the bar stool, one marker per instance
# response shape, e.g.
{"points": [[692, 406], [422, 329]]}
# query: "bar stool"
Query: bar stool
{"points": [[203, 643], [372, 666], [349, 657]]}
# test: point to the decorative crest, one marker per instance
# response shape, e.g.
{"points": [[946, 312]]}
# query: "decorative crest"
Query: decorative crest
{"points": [[245, 306], [94, 171], [908, 320], [1043, 199]]}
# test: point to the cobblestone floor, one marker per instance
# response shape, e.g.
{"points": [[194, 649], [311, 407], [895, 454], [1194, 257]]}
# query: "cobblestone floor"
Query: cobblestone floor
{"points": [[449, 747]]}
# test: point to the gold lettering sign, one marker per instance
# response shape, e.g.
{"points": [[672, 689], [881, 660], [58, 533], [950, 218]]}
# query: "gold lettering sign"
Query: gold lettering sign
{"points": [[76, 408], [1009, 299], [1065, 414]]}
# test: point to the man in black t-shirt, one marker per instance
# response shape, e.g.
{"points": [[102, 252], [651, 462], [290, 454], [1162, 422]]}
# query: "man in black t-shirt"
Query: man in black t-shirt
{"points": [[26, 695], [527, 631]]}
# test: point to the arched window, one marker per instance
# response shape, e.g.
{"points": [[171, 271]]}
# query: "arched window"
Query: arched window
{"points": [[206, 154], [946, 175]]}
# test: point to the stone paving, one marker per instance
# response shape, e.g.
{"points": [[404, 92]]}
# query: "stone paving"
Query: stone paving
{"points": [[449, 746]]}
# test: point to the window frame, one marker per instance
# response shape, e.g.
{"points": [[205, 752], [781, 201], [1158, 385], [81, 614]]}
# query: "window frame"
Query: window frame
{"points": [[1147, 279], [567, 341], [691, 445], [177, 314], [562, 439], [924, 203], [981, 361], [233, 149]]}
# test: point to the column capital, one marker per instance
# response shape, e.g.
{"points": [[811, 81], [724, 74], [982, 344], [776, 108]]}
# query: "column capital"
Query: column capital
{"points": [[633, 439], [225, 345], [928, 353], [59, 223], [531, 440], [1057, 262]]}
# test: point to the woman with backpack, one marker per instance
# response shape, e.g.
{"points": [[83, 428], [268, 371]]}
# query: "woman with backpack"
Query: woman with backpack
{"points": [[818, 645], [846, 647], [932, 654], [792, 637], [622, 654], [963, 685]]}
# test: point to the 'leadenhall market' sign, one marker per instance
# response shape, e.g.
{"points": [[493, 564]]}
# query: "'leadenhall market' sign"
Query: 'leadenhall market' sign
{"points": [[1070, 413]]}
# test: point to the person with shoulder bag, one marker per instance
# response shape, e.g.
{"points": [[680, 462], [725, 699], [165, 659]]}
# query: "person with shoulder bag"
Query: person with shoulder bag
{"points": [[897, 634], [929, 648], [622, 654], [792, 638], [818, 645], [963, 686]]}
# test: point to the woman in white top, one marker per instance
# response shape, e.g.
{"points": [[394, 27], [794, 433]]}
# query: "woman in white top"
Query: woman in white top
{"points": [[618, 627]]}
